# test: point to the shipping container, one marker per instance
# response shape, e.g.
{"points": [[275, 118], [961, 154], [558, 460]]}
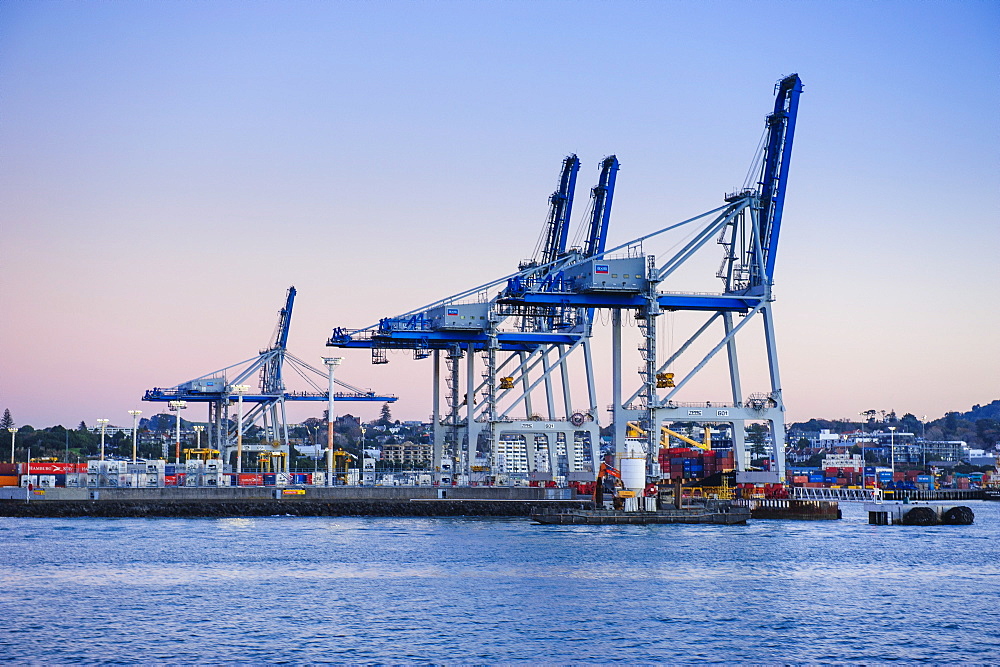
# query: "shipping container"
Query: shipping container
{"points": [[9, 480], [50, 468]]}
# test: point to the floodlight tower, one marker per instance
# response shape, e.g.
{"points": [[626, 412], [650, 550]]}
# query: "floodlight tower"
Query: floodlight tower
{"points": [[103, 423], [177, 406], [135, 419], [331, 419]]}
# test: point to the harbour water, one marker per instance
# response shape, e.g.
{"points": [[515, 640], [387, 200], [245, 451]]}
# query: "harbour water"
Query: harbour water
{"points": [[360, 590]]}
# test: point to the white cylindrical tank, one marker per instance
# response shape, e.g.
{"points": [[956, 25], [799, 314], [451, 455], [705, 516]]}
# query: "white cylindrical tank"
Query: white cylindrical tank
{"points": [[633, 473]]}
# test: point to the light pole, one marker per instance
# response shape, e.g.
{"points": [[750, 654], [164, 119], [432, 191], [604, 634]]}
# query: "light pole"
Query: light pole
{"points": [[13, 434], [892, 451], [363, 429], [923, 441], [863, 461], [239, 390], [103, 423], [177, 406], [198, 428], [331, 363], [135, 429]]}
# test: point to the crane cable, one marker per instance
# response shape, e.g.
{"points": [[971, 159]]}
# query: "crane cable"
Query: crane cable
{"points": [[755, 164]]}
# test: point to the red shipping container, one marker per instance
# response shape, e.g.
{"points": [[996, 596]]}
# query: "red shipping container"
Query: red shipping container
{"points": [[170, 480], [50, 468], [251, 479]]}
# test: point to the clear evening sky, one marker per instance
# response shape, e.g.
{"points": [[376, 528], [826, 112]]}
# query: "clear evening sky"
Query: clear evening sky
{"points": [[168, 169]]}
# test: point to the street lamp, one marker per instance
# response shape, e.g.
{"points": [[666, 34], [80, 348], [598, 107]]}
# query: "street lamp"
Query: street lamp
{"points": [[892, 450], [13, 433], [239, 390], [103, 423], [331, 363], [135, 419], [177, 406]]}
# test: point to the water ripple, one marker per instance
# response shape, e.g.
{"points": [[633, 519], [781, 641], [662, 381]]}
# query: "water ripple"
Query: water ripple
{"points": [[360, 590]]}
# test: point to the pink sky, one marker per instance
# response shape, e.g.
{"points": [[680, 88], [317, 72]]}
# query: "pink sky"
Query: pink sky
{"points": [[169, 169]]}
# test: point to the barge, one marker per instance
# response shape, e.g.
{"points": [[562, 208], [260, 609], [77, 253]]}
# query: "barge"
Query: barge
{"points": [[717, 512]]}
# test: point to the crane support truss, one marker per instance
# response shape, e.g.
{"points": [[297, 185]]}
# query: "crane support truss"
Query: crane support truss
{"points": [[530, 325]]}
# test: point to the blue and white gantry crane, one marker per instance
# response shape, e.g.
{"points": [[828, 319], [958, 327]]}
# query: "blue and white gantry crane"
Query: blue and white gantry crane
{"points": [[526, 352], [747, 227], [266, 396]]}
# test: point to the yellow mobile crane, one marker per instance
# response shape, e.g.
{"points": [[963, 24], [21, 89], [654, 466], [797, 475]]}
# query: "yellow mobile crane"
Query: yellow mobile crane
{"points": [[636, 431]]}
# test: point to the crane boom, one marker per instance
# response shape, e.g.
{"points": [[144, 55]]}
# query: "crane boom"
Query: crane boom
{"points": [[774, 170], [284, 321], [602, 195], [560, 209]]}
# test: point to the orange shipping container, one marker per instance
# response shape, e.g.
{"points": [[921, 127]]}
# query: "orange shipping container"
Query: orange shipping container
{"points": [[9, 480]]}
